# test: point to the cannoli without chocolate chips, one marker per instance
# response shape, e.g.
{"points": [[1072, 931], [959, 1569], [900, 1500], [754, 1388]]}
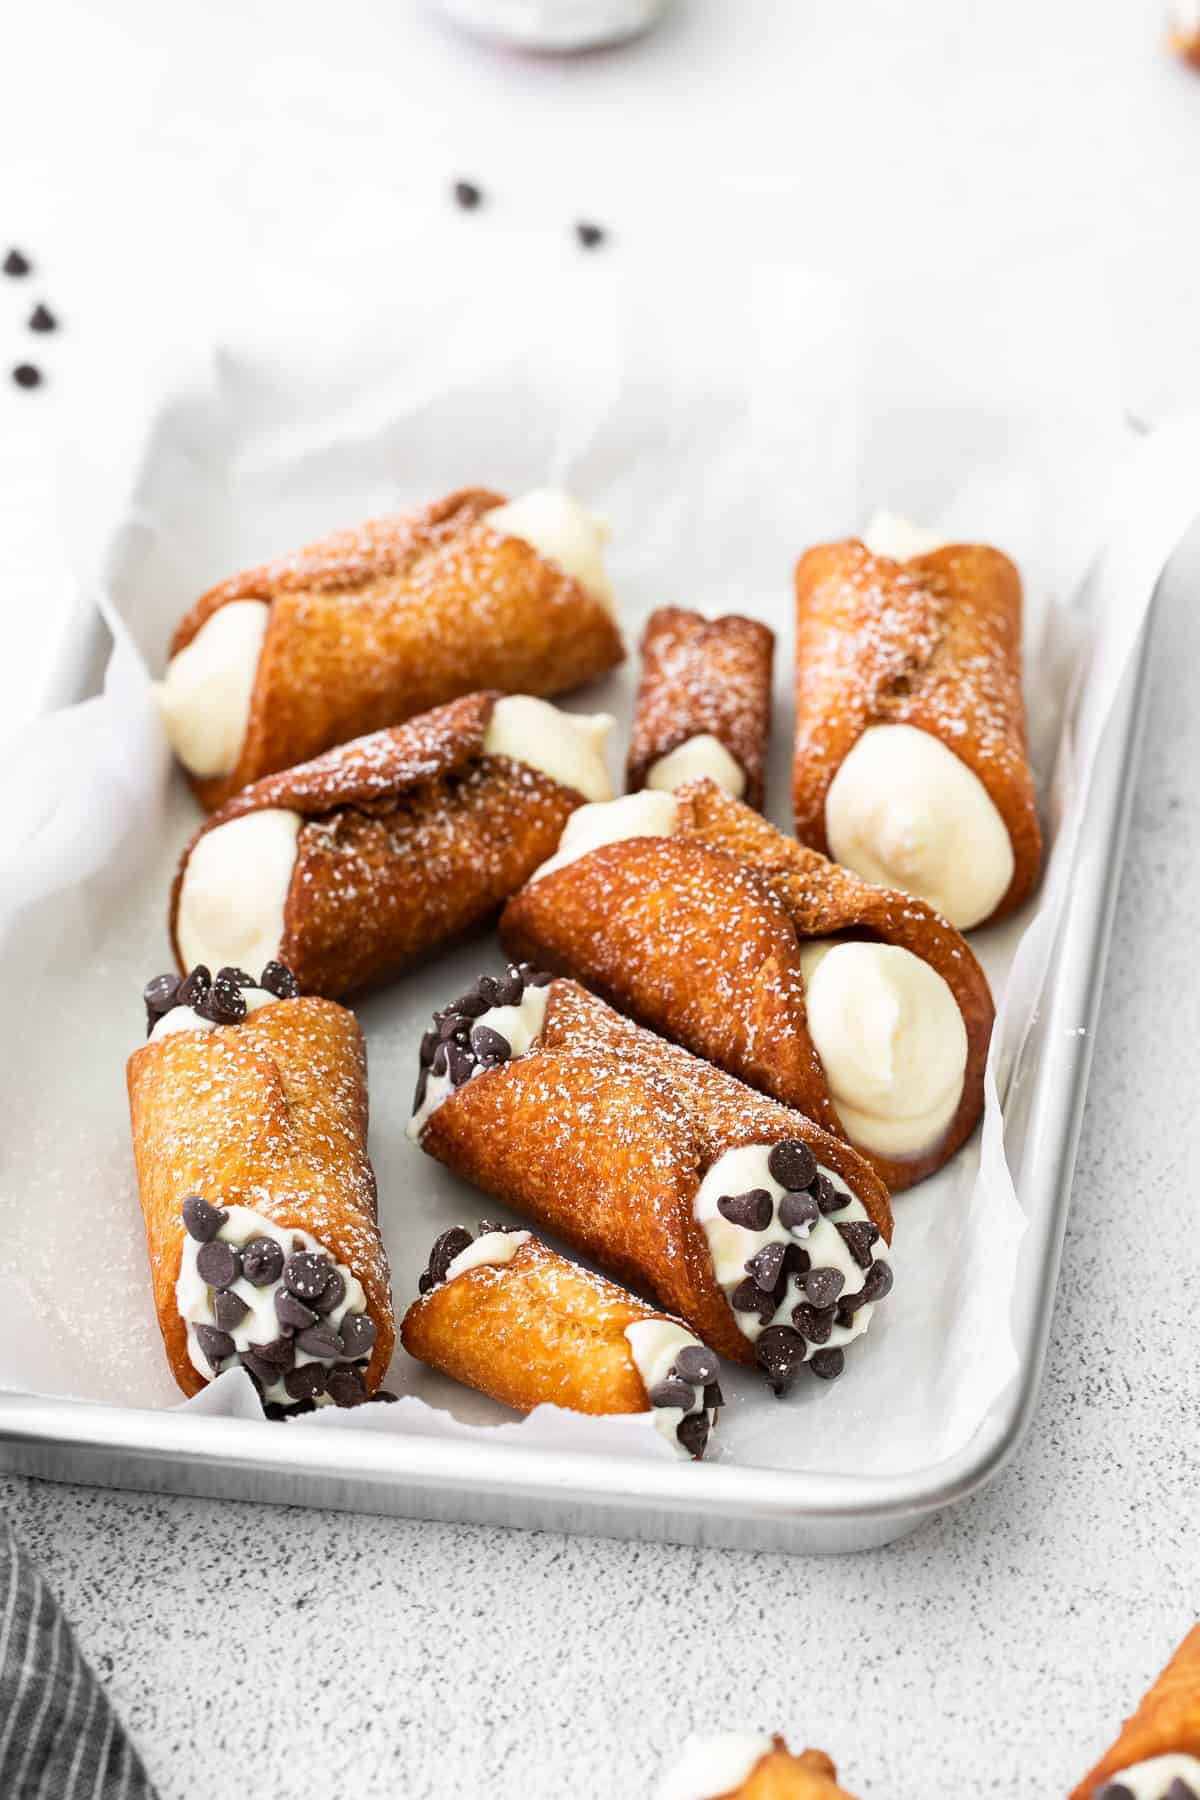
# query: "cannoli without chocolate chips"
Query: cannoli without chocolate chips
{"points": [[365, 628], [746, 1765], [352, 867], [249, 1115], [910, 759], [704, 703], [507, 1315], [1157, 1755], [858, 1006], [765, 1235]]}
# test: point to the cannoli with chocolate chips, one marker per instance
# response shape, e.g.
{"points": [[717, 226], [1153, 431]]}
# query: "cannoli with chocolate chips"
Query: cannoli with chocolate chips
{"points": [[366, 628], [504, 1313], [910, 759], [857, 1005], [765, 1235], [704, 703], [354, 866], [249, 1114], [1157, 1755], [747, 1765]]}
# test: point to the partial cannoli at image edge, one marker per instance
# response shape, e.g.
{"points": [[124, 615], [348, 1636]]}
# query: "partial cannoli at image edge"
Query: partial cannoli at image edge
{"points": [[1157, 1754], [763, 1234], [748, 1765]]}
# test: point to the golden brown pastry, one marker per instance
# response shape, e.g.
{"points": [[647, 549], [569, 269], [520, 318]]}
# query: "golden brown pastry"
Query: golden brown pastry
{"points": [[1157, 1754]]}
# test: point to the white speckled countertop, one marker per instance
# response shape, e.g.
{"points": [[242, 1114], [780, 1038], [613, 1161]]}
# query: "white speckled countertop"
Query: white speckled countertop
{"points": [[275, 1652]]}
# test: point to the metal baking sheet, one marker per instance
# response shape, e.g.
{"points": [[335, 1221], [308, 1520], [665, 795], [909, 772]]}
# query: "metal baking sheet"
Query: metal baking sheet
{"points": [[735, 1507]]}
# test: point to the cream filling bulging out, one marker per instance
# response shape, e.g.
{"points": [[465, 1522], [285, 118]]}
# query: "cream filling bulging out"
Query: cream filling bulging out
{"points": [[492, 1250], [904, 812], [654, 1345], [234, 891], [559, 528], [888, 534], [714, 1765], [569, 747], [260, 1324], [731, 1245], [186, 1018], [204, 697], [891, 1040], [646, 814], [1152, 1780], [518, 1025], [696, 757]]}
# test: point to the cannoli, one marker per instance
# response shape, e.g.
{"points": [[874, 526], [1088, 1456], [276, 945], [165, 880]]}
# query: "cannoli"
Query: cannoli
{"points": [[704, 703], [1157, 1755], [1185, 30], [765, 1235], [858, 1006], [351, 867], [249, 1114], [504, 1313], [368, 627], [747, 1765], [910, 760]]}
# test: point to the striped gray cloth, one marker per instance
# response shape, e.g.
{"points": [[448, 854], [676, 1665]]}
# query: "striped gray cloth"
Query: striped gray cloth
{"points": [[59, 1737]]}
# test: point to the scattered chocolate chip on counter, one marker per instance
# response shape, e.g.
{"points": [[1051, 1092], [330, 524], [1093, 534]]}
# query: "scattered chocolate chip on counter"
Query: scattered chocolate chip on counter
{"points": [[590, 236], [27, 376], [467, 195], [42, 319], [16, 264]]}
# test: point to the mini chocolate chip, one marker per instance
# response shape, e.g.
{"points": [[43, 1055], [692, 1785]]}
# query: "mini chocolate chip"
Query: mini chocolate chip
{"points": [[445, 1249], [813, 1324], [829, 1198], [218, 1263], [713, 1397], [798, 1213], [1113, 1790], [262, 1261], [420, 1091], [235, 977], [194, 986], [748, 1297], [346, 1387], [827, 1365], [305, 1273], [879, 1281], [467, 195], [321, 1341], [438, 1066], [766, 1266], [510, 987], [229, 1310], [697, 1364], [451, 1023], [822, 1286], [752, 1210], [293, 1312], [671, 1393], [489, 991], [429, 1044], [792, 1164], [460, 1064], [280, 1352], [796, 1261], [425, 1282], [17, 264], [216, 1345], [358, 1335], [200, 1220], [849, 1304], [264, 1372], [159, 994], [224, 1003], [1180, 1790], [471, 1004], [692, 1432], [384, 1396], [278, 979], [27, 376], [590, 236], [858, 1236], [780, 1353], [305, 1381], [490, 1046], [332, 1294]]}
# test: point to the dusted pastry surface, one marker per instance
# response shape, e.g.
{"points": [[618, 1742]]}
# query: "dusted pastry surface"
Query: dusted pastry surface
{"points": [[204, 697]]}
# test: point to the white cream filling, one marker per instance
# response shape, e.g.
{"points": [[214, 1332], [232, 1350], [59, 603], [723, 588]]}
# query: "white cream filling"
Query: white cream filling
{"points": [[235, 889], [654, 1344], [204, 697], [646, 814], [494, 1248], [697, 756], [569, 747], [519, 1025], [731, 1246], [904, 812], [891, 1040], [890, 535], [1150, 1780], [186, 1018], [194, 1297], [711, 1766], [558, 527]]}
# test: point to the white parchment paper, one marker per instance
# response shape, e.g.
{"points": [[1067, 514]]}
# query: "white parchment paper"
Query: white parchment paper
{"points": [[721, 431]]}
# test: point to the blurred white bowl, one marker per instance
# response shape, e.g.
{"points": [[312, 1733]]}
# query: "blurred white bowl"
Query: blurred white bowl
{"points": [[556, 24]]}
